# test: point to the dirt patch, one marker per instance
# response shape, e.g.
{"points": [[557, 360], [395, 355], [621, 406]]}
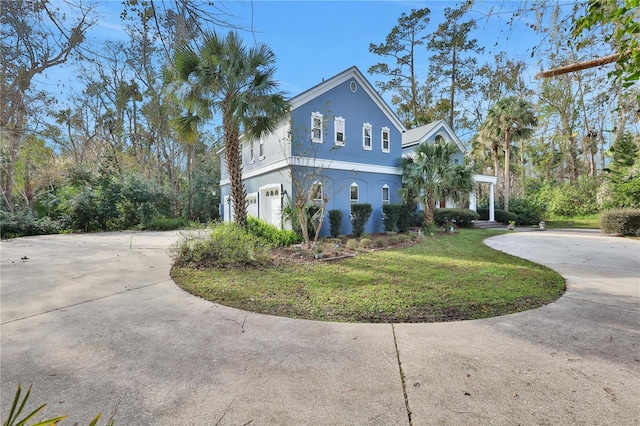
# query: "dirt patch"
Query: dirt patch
{"points": [[332, 249]]}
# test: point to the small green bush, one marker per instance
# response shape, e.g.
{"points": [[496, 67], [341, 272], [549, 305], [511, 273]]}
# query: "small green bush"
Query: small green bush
{"points": [[405, 218], [270, 233], [621, 221], [403, 238], [390, 216], [365, 243], [225, 245], [378, 242], [505, 217], [360, 214], [335, 223], [463, 218], [352, 244]]}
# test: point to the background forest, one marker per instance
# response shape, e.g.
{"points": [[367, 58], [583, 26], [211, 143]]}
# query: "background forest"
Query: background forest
{"points": [[109, 155]]}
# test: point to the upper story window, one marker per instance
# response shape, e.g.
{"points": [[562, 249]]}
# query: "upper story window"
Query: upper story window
{"points": [[385, 139], [354, 193], [251, 158], [261, 149], [316, 127], [316, 193], [385, 194], [338, 125], [366, 136]]}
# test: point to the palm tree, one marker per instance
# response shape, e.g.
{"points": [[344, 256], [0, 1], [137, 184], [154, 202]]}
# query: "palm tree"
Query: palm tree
{"points": [[510, 119], [429, 175], [239, 83]]}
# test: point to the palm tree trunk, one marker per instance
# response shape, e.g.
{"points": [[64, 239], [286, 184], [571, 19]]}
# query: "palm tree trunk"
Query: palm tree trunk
{"points": [[507, 180], [234, 168]]}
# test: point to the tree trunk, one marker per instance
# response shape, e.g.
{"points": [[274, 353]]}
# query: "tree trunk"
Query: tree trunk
{"points": [[234, 167], [452, 90], [429, 203], [507, 180]]}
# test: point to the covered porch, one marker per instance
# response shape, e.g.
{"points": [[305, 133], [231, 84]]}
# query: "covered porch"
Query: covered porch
{"points": [[479, 180]]}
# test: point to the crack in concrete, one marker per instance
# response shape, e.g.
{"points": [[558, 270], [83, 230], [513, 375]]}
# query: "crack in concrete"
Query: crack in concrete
{"points": [[402, 378]]}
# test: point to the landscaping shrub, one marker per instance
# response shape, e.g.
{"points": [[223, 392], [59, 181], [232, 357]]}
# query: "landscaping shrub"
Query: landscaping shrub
{"points": [[529, 213], [360, 214], [23, 224], [352, 244], [225, 245], [405, 218], [621, 221], [505, 217], [390, 216], [270, 233], [417, 219], [335, 223], [365, 243], [461, 217], [483, 213]]}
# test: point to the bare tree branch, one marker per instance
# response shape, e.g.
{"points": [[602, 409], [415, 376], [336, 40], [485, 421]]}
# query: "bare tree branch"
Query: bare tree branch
{"points": [[582, 65]]}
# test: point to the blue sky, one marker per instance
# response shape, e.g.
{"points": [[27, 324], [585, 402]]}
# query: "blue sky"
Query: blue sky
{"points": [[318, 39]]}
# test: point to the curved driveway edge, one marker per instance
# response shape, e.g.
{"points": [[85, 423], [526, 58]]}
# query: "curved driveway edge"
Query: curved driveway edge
{"points": [[96, 324]]}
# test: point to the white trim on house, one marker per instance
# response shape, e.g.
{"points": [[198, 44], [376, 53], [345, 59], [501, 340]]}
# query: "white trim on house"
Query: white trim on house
{"points": [[319, 163], [420, 134], [338, 79]]}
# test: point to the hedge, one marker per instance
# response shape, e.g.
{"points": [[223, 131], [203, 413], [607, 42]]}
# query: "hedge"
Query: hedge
{"points": [[463, 218], [621, 222], [505, 217]]}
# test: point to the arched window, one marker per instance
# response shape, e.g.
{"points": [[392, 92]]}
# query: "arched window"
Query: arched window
{"points": [[385, 194], [316, 193], [354, 193]]}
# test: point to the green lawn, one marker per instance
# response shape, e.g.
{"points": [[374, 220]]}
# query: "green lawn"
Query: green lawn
{"points": [[443, 278], [578, 222]]}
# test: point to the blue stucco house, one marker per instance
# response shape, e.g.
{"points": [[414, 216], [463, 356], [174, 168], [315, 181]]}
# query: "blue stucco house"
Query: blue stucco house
{"points": [[341, 143]]}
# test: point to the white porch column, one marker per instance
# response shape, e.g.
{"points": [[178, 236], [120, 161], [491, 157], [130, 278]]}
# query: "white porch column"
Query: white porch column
{"points": [[472, 199], [492, 212]]}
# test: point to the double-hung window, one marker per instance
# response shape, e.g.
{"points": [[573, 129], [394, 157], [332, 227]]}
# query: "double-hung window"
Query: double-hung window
{"points": [[251, 157], [385, 139], [261, 149], [339, 126], [316, 127], [366, 136]]}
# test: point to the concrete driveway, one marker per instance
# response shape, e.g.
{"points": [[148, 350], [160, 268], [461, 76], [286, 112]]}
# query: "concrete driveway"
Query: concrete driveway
{"points": [[96, 325]]}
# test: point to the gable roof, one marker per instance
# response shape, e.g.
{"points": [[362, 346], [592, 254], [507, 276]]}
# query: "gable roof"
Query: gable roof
{"points": [[420, 134], [340, 78]]}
